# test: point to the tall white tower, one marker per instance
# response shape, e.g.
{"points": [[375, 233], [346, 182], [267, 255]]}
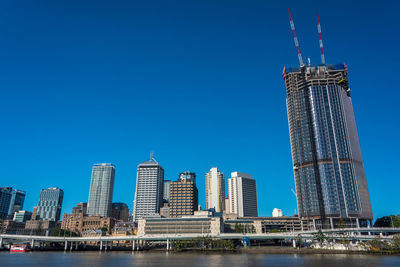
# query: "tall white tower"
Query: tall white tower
{"points": [[242, 195], [149, 190], [215, 190]]}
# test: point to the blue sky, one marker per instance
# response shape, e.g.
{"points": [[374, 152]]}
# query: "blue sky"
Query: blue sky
{"points": [[197, 82]]}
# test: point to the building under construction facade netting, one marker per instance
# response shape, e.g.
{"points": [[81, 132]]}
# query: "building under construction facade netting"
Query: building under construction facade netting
{"points": [[331, 186]]}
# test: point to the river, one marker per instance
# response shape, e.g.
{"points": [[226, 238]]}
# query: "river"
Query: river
{"points": [[149, 259]]}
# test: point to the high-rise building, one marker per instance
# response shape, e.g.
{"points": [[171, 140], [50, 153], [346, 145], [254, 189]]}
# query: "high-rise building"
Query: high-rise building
{"points": [[149, 190], [120, 211], [184, 195], [188, 176], [50, 203], [16, 202], [227, 206], [5, 199], [101, 190], [277, 213], [242, 195], [166, 190], [80, 209], [327, 162], [215, 190]]}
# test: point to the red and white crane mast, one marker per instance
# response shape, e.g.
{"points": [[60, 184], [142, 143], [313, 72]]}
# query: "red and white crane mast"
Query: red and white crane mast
{"points": [[321, 45], [296, 41]]}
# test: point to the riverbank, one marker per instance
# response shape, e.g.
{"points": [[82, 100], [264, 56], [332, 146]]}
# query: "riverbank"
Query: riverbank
{"points": [[290, 250], [247, 250]]}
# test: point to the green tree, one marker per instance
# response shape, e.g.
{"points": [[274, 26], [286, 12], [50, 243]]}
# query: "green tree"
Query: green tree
{"points": [[388, 221], [238, 228], [320, 236]]}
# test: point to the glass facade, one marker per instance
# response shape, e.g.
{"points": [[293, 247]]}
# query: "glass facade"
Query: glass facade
{"points": [[50, 203], [5, 199], [329, 175], [101, 190], [17, 202], [166, 190]]}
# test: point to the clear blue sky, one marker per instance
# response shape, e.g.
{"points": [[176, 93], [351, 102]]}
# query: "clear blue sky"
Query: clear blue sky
{"points": [[197, 82]]}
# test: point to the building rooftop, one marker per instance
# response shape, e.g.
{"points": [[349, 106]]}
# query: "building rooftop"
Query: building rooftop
{"points": [[326, 67]]}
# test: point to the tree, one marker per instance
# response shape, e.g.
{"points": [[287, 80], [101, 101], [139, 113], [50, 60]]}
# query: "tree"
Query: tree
{"points": [[238, 228], [388, 221], [320, 237]]}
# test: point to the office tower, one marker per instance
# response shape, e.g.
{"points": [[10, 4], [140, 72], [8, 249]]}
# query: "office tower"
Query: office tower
{"points": [[80, 209], [50, 203], [184, 195], [101, 190], [166, 190], [149, 190], [187, 175], [215, 190], [277, 213], [242, 195], [120, 211], [5, 199], [227, 206], [327, 162], [16, 202]]}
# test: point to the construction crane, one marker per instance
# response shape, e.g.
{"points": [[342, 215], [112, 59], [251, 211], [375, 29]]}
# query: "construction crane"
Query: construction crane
{"points": [[294, 193], [321, 45], [296, 41]]}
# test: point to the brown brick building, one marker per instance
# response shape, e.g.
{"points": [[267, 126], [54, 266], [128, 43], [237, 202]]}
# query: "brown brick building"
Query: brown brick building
{"points": [[183, 196], [79, 222]]}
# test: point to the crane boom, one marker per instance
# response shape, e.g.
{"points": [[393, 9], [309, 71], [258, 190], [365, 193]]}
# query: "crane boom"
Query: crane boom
{"points": [[296, 41], [321, 45]]}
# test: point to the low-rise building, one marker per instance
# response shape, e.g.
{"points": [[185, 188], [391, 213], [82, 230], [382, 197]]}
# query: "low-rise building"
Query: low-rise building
{"points": [[22, 216], [80, 224], [40, 226], [93, 233], [11, 227], [261, 225], [202, 222], [124, 228]]}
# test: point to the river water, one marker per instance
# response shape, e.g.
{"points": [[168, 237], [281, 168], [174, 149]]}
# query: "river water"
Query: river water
{"points": [[149, 259]]}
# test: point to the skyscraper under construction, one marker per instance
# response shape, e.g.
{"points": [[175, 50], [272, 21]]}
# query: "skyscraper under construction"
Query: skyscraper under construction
{"points": [[331, 186]]}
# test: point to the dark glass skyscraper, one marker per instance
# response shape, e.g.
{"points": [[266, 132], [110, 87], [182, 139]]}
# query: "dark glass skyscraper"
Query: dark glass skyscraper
{"points": [[17, 202], [50, 203], [5, 199], [327, 162], [11, 200]]}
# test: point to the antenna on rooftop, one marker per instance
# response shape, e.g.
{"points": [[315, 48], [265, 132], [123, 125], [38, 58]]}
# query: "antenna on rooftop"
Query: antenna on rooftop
{"points": [[296, 41], [321, 45]]}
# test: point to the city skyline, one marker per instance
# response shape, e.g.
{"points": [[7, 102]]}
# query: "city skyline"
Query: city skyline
{"points": [[176, 83]]}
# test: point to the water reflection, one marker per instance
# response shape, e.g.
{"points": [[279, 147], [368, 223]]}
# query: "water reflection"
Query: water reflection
{"points": [[150, 259]]}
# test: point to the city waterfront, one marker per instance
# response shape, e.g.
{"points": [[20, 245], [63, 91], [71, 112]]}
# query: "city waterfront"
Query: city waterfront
{"points": [[191, 259]]}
